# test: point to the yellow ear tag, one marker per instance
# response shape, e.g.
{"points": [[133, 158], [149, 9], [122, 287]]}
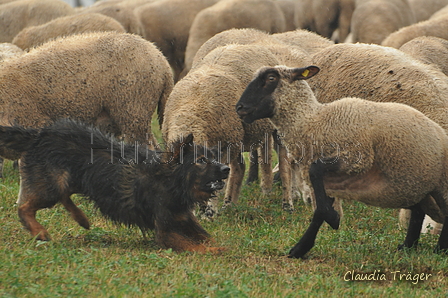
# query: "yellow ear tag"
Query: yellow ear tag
{"points": [[305, 73]]}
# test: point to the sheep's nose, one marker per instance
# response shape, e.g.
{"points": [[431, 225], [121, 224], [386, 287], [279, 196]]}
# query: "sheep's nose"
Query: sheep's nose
{"points": [[239, 107], [225, 170]]}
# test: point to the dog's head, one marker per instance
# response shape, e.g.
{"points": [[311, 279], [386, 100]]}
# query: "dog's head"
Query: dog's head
{"points": [[201, 171]]}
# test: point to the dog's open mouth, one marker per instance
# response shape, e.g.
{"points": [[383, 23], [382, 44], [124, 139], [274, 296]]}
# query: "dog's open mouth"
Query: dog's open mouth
{"points": [[215, 185]]}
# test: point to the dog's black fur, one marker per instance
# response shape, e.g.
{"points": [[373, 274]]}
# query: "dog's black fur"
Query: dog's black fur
{"points": [[144, 188]]}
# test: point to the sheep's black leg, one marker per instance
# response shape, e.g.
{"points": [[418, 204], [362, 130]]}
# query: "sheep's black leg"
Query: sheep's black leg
{"points": [[324, 204], [415, 227], [442, 245], [324, 212]]}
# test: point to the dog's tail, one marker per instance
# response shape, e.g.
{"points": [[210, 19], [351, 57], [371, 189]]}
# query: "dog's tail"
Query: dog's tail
{"points": [[15, 140]]}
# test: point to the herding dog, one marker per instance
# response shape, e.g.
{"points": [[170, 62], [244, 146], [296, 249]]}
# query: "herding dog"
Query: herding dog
{"points": [[143, 188]]}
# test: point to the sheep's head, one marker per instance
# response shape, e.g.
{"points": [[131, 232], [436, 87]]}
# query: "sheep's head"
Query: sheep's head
{"points": [[258, 99]]}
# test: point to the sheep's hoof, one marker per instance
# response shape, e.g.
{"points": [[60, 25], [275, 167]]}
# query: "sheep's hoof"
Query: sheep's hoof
{"points": [[299, 250]]}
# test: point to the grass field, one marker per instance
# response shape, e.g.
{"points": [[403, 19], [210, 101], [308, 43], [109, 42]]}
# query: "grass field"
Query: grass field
{"points": [[114, 261]]}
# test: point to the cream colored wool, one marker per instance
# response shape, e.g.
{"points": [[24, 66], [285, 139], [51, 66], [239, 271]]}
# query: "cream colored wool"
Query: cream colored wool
{"points": [[16, 15], [64, 26], [265, 15], [167, 23], [437, 27], [203, 103], [109, 79], [388, 154]]}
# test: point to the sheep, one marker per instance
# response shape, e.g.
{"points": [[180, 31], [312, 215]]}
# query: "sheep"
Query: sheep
{"points": [[374, 20], [119, 11], [288, 8], [8, 50], [423, 10], [16, 15], [291, 48], [202, 104], [325, 16], [380, 73], [265, 15], [113, 80], [382, 154], [429, 50], [167, 23], [302, 43], [64, 26], [433, 27]]}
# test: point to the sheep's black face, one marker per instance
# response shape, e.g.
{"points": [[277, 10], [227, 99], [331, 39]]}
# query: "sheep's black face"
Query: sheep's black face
{"points": [[257, 101]]}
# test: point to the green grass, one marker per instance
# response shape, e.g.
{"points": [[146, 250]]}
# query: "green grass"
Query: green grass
{"points": [[114, 261]]}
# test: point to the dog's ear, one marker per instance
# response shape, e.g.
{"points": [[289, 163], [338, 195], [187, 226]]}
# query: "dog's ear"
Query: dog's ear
{"points": [[181, 147]]}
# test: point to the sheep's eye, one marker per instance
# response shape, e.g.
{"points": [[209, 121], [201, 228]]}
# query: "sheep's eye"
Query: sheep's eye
{"points": [[272, 78]]}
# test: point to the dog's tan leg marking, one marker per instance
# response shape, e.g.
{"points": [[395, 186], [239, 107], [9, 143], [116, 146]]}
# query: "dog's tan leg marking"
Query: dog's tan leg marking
{"points": [[180, 243], [75, 212], [27, 214]]}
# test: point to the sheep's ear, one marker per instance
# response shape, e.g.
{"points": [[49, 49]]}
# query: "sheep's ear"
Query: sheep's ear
{"points": [[181, 147], [304, 73]]}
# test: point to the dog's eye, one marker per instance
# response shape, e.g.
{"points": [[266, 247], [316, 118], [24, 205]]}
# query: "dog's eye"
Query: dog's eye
{"points": [[202, 159]]}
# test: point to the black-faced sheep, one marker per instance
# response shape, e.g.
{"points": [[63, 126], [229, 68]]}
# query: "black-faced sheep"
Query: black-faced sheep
{"points": [[113, 80], [264, 15], [64, 26], [381, 74], [16, 15], [373, 20], [433, 27], [167, 23], [382, 154], [202, 103], [429, 50]]}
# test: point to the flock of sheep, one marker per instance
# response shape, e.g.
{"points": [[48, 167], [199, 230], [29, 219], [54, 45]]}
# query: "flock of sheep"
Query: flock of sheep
{"points": [[117, 62]]}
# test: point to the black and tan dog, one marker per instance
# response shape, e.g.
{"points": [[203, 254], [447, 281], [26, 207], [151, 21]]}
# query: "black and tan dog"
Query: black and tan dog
{"points": [[134, 187]]}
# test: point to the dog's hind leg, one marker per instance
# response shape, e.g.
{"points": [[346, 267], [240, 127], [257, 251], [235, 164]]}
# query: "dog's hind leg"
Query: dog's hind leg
{"points": [[75, 212], [27, 213]]}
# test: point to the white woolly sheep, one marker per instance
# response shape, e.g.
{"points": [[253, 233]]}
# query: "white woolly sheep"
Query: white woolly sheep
{"points": [[373, 20], [119, 11], [382, 154], [113, 80], [202, 103], [64, 26], [167, 23], [16, 15], [423, 10], [383, 74], [429, 50], [325, 16], [433, 27], [264, 15]]}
